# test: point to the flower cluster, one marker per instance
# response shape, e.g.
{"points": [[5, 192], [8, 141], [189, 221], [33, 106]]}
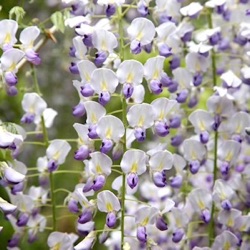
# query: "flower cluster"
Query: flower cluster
{"points": [[13, 53], [163, 131]]}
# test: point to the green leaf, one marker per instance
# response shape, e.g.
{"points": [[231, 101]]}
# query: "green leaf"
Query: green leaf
{"points": [[18, 12], [58, 20]]}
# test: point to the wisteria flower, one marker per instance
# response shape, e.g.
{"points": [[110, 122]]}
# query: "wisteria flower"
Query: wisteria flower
{"points": [[27, 38], [110, 129], [107, 202], [57, 153], [130, 74], [104, 83], [34, 106], [141, 32], [140, 122], [8, 33], [133, 164], [99, 168]]}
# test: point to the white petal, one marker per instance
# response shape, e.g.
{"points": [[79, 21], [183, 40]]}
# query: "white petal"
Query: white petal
{"points": [[33, 103], [231, 79], [94, 111], [107, 202], [104, 40], [7, 207], [110, 127], [141, 115], [81, 49], [86, 68], [142, 30], [163, 107], [104, 80], [153, 68], [29, 35], [10, 58], [191, 9], [8, 32], [161, 160], [100, 163], [58, 150], [134, 160], [130, 71]]}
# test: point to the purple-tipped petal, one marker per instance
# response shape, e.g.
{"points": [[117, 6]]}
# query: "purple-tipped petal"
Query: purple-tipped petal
{"points": [[111, 219], [100, 58], [28, 118], [87, 40], [14, 241], [79, 110], [206, 215], [110, 10], [161, 224], [155, 87], [176, 140], [82, 153], [92, 132], [73, 206], [194, 166], [99, 182], [106, 146], [85, 217], [33, 57], [204, 137], [226, 205], [12, 91], [142, 9], [73, 68], [182, 96], [132, 180], [197, 79], [127, 90], [178, 235], [161, 128], [87, 90], [175, 62], [104, 98], [52, 165], [176, 182], [175, 122], [140, 134], [141, 234], [10, 78], [165, 50], [159, 179], [224, 168], [22, 220], [135, 47]]}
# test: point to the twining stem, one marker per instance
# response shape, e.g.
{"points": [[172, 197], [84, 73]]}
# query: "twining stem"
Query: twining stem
{"points": [[211, 226], [124, 119]]}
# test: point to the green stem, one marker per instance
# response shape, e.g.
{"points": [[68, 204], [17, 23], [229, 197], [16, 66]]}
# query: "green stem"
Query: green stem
{"points": [[68, 172], [62, 190], [36, 85], [210, 25], [33, 143], [124, 119], [211, 226], [53, 200], [211, 229]]}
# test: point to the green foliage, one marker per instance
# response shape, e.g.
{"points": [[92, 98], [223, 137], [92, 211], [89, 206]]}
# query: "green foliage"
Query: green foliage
{"points": [[58, 20], [18, 12]]}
